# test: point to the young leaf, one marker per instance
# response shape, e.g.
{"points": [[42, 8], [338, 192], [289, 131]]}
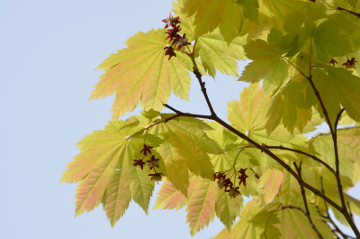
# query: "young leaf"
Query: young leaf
{"points": [[142, 73], [117, 194], [270, 183], [267, 64], [249, 114], [337, 87], [169, 197], [227, 208], [201, 205], [209, 15], [216, 53]]}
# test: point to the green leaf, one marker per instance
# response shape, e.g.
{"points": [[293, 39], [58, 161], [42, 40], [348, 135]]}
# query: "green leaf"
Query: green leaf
{"points": [[249, 114], [216, 54], [267, 64], [176, 167], [227, 208], [348, 147], [254, 223], [209, 15], [294, 224], [142, 73], [338, 87], [290, 106], [187, 149], [326, 46]]}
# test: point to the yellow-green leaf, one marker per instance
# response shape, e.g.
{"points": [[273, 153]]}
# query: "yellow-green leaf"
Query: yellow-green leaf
{"points": [[169, 197], [267, 64], [142, 73], [270, 183], [201, 205], [227, 208]]}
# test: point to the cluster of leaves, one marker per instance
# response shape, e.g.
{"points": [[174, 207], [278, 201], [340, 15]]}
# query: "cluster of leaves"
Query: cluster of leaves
{"points": [[295, 84]]}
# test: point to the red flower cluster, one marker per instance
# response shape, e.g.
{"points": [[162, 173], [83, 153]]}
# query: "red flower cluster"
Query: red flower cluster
{"points": [[152, 163], [175, 39], [225, 182], [349, 64]]}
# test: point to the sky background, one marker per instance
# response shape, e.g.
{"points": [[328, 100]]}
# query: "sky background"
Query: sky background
{"points": [[48, 54]]}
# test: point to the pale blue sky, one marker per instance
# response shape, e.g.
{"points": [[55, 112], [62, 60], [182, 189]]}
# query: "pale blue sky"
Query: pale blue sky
{"points": [[49, 50]]}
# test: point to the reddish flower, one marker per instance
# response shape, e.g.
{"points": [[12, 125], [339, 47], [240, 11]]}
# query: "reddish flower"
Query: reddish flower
{"points": [[171, 21], [242, 176], [139, 162], [350, 63], [182, 42], [333, 62], [169, 52], [156, 176], [153, 162], [228, 184], [146, 149], [233, 192], [173, 34]]}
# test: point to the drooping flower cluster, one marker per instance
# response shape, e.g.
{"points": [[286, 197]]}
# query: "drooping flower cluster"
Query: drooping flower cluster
{"points": [[176, 41], [152, 163], [225, 182]]}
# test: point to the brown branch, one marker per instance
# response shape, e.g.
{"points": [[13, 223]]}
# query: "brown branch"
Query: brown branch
{"points": [[307, 211], [202, 84], [342, 208], [351, 12], [288, 207], [304, 153]]}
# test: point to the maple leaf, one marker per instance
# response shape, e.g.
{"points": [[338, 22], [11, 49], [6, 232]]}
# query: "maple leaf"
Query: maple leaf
{"points": [[201, 205], [291, 106], [270, 183], [169, 197], [267, 64], [349, 150], [216, 54], [142, 73], [338, 87], [227, 208]]}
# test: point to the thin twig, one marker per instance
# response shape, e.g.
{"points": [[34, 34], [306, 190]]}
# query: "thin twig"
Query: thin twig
{"points": [[304, 153], [307, 211], [255, 174], [351, 12]]}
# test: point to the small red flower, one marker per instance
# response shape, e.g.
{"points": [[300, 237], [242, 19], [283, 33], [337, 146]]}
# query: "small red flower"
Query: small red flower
{"points": [[350, 64], [233, 192], [171, 21], [242, 176], [183, 41], [139, 162], [169, 52], [153, 162], [146, 149], [333, 62], [156, 176], [173, 34]]}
